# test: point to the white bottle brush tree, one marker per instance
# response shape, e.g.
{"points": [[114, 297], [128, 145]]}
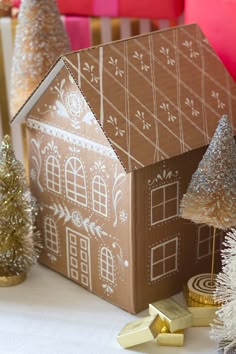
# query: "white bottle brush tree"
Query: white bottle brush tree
{"points": [[224, 328]]}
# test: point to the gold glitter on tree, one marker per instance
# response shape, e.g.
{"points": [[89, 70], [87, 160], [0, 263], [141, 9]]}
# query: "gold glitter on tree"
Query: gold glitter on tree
{"points": [[40, 39], [211, 195], [19, 242]]}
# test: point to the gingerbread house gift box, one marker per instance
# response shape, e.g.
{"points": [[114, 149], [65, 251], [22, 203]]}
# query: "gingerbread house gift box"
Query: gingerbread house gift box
{"points": [[115, 133]]}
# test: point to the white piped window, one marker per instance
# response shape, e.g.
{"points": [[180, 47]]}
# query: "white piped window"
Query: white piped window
{"points": [[164, 258], [51, 235], [107, 264], [204, 242], [99, 193], [164, 202], [75, 181], [53, 174]]}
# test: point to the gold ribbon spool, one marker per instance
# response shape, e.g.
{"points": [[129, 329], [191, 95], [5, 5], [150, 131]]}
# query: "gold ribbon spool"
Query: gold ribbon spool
{"points": [[201, 289], [12, 280]]}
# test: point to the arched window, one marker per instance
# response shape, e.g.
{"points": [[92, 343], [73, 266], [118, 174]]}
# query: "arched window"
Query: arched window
{"points": [[53, 174], [107, 264], [75, 181], [99, 193], [51, 235]]}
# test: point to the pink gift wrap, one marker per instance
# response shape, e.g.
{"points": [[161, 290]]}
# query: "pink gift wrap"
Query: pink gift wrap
{"points": [[85, 31], [217, 20], [156, 9], [159, 9]]}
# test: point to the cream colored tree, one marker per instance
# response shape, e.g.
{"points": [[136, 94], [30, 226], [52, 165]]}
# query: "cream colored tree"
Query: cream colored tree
{"points": [[211, 195], [40, 39], [224, 329]]}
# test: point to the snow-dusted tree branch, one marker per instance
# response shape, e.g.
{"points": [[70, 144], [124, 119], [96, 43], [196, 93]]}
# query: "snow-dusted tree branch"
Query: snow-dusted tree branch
{"points": [[224, 327]]}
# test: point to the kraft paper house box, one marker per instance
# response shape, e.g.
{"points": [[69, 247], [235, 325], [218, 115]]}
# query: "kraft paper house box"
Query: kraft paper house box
{"points": [[115, 133], [83, 32]]}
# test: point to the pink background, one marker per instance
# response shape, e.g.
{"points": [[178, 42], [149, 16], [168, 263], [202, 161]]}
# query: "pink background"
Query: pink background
{"points": [[217, 19]]}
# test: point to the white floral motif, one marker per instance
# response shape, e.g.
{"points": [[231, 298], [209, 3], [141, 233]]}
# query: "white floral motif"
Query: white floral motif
{"points": [[166, 108], [99, 168], [190, 104], [114, 62], [166, 52], [122, 263], [113, 121], [37, 161], [90, 69], [107, 289], [123, 216], [205, 40], [33, 174], [139, 56], [216, 96], [63, 213], [192, 52], [75, 103], [52, 257], [140, 116], [164, 175], [76, 218], [51, 146], [61, 110], [119, 179]]}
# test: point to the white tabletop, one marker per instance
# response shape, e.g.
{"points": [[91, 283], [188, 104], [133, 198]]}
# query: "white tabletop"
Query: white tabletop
{"points": [[49, 314]]}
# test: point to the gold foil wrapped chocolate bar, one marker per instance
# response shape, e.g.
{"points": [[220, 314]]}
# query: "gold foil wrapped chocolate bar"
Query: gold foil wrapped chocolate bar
{"points": [[203, 316], [174, 316], [165, 338], [140, 331]]}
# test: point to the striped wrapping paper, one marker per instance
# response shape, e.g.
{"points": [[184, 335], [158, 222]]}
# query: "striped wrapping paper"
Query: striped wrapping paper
{"points": [[83, 32]]}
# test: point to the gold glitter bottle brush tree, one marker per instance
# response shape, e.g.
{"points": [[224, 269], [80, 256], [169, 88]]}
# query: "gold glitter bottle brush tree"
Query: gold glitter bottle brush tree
{"points": [[40, 39], [211, 199], [19, 241]]}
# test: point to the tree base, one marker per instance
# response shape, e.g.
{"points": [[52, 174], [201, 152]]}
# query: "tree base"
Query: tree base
{"points": [[12, 280], [201, 289]]}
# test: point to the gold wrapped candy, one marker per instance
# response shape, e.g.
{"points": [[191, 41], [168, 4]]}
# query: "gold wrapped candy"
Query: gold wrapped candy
{"points": [[140, 331], [174, 316], [165, 338]]}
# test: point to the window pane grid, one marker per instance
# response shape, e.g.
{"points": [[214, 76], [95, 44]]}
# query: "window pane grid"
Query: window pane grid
{"points": [[51, 237], [159, 266], [107, 265], [53, 174], [162, 203], [159, 211], [205, 236], [75, 181], [99, 191], [161, 260]]}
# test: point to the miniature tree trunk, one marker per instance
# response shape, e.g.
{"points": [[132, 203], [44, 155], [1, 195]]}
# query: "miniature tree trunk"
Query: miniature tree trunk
{"points": [[18, 241], [40, 40]]}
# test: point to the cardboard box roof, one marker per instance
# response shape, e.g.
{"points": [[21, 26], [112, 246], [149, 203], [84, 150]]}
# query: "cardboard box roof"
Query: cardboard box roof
{"points": [[155, 96]]}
